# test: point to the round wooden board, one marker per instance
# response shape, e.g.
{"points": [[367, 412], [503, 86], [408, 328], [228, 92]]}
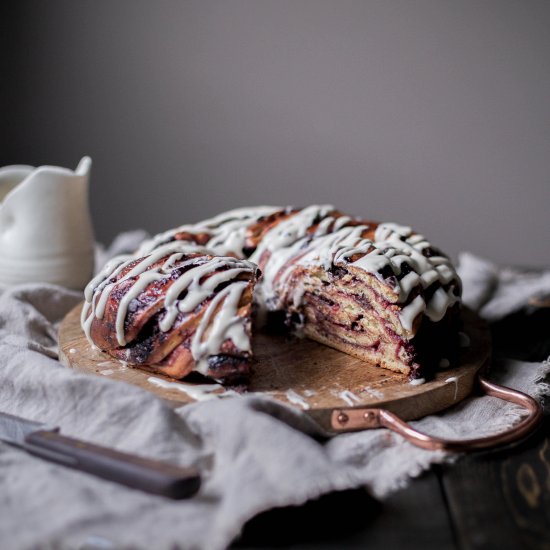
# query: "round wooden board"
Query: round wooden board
{"points": [[303, 373]]}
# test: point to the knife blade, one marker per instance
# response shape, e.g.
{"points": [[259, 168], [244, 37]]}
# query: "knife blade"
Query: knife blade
{"points": [[134, 471]]}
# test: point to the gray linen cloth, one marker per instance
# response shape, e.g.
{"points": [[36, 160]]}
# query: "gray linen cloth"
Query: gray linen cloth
{"points": [[254, 453]]}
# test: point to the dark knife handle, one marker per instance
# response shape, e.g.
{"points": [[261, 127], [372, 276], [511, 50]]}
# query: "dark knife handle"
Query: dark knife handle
{"points": [[133, 471]]}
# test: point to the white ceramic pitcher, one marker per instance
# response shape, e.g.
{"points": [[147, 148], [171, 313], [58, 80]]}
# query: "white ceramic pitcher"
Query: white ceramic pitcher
{"points": [[45, 226]]}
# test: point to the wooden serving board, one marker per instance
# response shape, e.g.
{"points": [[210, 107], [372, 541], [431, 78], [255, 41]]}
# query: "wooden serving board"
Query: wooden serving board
{"points": [[303, 373]]}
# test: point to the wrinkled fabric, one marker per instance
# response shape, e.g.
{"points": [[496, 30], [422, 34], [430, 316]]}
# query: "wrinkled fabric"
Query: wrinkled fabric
{"points": [[254, 453]]}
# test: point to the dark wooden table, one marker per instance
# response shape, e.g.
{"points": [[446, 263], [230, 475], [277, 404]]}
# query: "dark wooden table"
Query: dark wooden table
{"points": [[498, 499]]}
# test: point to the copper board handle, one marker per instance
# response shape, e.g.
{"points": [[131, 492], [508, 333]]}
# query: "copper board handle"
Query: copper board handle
{"points": [[360, 418]]}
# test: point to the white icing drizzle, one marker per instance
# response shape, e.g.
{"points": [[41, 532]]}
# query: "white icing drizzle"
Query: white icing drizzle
{"points": [[96, 287], [417, 381], [411, 311], [288, 244], [283, 242], [226, 325], [227, 231], [334, 248], [453, 380], [138, 287], [292, 229], [340, 222], [198, 291], [349, 397], [296, 399], [407, 248], [373, 392], [197, 392]]}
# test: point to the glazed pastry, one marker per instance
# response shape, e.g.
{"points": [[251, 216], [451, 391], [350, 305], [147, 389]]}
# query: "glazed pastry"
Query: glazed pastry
{"points": [[173, 311], [379, 292]]}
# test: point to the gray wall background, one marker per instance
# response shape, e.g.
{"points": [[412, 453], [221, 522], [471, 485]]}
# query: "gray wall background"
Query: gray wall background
{"points": [[432, 113]]}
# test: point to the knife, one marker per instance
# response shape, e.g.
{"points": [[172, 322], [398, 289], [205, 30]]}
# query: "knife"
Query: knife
{"points": [[148, 475]]}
